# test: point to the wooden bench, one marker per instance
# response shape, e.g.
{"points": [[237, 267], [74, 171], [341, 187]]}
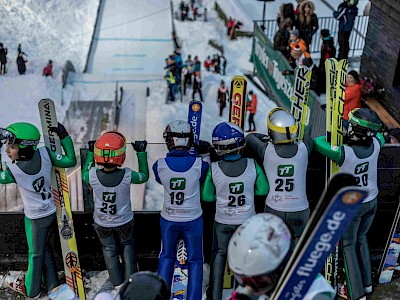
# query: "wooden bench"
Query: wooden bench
{"points": [[383, 114]]}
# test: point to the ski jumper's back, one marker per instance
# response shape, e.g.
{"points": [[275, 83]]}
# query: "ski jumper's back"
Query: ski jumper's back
{"points": [[287, 178], [35, 189], [181, 191], [364, 169], [235, 195], [112, 204]]}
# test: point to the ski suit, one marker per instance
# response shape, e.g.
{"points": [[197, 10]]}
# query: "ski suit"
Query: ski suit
{"points": [[285, 166], [113, 217], [232, 183], [34, 183], [181, 174], [362, 162]]}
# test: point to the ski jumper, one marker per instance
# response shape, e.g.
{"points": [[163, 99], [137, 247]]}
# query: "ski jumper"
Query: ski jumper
{"points": [[232, 183], [362, 162], [181, 174], [113, 217], [285, 166], [34, 183]]}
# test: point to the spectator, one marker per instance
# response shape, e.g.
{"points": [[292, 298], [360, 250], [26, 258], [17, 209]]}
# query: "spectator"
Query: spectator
{"points": [[205, 14], [21, 63], [223, 62], [286, 10], [296, 40], [346, 15], [184, 10], [307, 22], [222, 97], [297, 57], [230, 24], [207, 63], [328, 50], [3, 59], [197, 86], [394, 136], [197, 65], [189, 65], [48, 70], [216, 63], [315, 79], [297, 10], [185, 79], [236, 26], [251, 106], [352, 96], [281, 38], [170, 78]]}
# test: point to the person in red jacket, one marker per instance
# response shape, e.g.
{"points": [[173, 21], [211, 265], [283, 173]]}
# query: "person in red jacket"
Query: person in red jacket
{"points": [[352, 98], [48, 70], [251, 106]]}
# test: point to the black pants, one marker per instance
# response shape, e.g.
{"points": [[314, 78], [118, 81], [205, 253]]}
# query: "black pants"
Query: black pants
{"points": [[222, 235], [221, 104], [3, 68], [197, 91], [110, 238], [344, 44], [251, 122]]}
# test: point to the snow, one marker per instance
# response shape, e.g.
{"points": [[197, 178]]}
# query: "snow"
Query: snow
{"points": [[129, 49]]}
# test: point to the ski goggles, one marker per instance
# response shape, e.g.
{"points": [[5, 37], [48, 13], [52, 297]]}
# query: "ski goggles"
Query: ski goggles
{"points": [[258, 283], [12, 139], [109, 152], [182, 135]]}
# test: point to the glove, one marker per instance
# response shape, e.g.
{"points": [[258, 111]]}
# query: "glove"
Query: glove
{"points": [[60, 130], [139, 146], [91, 145], [203, 147]]}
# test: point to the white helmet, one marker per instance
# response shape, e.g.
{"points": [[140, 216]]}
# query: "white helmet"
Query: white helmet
{"points": [[178, 134], [257, 248], [282, 126]]}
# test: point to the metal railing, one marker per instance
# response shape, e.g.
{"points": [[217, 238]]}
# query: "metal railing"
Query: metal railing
{"points": [[357, 38]]}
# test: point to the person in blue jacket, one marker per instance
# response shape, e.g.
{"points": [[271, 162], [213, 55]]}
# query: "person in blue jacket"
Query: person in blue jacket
{"points": [[181, 173], [346, 15]]}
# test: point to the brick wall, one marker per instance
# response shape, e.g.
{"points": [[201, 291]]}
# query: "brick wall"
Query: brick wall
{"points": [[381, 51]]}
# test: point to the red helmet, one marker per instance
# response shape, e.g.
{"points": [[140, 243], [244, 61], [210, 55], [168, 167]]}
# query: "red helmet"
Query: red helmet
{"points": [[110, 149]]}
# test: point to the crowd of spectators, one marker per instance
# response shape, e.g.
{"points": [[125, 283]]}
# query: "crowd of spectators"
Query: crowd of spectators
{"points": [[181, 75]]}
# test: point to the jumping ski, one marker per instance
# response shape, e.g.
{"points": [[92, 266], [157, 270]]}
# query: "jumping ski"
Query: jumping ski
{"points": [[334, 212], [299, 98], [237, 111], [390, 256], [59, 184], [336, 84], [180, 277]]}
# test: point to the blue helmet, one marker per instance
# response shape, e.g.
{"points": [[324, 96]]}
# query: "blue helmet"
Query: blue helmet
{"points": [[227, 137]]}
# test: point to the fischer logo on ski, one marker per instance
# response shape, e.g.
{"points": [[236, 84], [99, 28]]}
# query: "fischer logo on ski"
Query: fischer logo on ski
{"points": [[299, 97]]}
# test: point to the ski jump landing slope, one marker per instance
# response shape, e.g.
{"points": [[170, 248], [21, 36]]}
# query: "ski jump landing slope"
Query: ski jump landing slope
{"points": [[131, 41], [132, 37]]}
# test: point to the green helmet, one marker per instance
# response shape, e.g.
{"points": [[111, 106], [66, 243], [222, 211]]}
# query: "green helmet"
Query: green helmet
{"points": [[22, 134]]}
